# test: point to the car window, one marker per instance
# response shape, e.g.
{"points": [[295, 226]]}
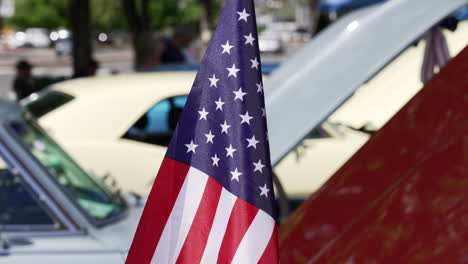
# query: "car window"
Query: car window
{"points": [[48, 102], [19, 207], [158, 123], [90, 194]]}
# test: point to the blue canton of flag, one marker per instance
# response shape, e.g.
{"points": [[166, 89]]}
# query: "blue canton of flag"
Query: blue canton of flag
{"points": [[213, 197]]}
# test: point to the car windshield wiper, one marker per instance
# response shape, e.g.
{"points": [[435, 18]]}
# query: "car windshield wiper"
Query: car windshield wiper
{"points": [[366, 129]]}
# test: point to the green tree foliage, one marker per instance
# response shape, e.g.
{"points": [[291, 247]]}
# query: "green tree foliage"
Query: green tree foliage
{"points": [[107, 15], [39, 13]]}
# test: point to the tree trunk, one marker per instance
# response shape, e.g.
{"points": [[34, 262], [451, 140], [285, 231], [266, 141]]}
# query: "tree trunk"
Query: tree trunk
{"points": [[314, 16], [81, 35], [146, 49], [206, 23]]}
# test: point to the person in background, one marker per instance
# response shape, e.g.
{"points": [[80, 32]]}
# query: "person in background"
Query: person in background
{"points": [[24, 84], [173, 50], [93, 67]]}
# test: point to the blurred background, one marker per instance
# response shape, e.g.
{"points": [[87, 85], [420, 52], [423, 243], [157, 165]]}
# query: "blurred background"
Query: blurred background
{"points": [[61, 39]]}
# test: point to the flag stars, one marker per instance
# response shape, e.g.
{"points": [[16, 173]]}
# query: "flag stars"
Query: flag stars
{"points": [[258, 166], [249, 39], [227, 48], [213, 81], [263, 112], [230, 151], [191, 147], [209, 137], [239, 94], [252, 142], [235, 175], [255, 63], [225, 127], [264, 190], [215, 160], [203, 113], [243, 15], [245, 118], [259, 88], [233, 71], [219, 104]]}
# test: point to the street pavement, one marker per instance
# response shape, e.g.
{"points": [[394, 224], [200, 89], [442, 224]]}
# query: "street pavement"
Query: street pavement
{"points": [[46, 63]]}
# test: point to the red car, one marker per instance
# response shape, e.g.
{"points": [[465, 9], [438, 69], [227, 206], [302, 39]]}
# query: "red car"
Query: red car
{"points": [[403, 197]]}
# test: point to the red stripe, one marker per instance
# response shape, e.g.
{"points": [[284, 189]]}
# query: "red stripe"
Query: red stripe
{"points": [[160, 202], [270, 255], [194, 245], [241, 217]]}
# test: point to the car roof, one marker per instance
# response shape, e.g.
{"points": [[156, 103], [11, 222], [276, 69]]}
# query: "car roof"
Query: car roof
{"points": [[325, 73], [111, 102]]}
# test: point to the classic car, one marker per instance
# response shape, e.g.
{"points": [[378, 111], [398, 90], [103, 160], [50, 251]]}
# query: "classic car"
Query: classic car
{"points": [[402, 197]]}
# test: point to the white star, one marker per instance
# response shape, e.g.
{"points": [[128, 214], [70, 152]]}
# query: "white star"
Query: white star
{"points": [[258, 166], [203, 114], [239, 94], [243, 15], [219, 104], [264, 190], [259, 88], [245, 118], [215, 160], [252, 142], [191, 147], [213, 81], [255, 63], [233, 71], [224, 127], [209, 137], [249, 39], [235, 175], [227, 48], [263, 111], [230, 151]]}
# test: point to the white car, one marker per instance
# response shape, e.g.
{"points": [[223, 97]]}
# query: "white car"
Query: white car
{"points": [[120, 125]]}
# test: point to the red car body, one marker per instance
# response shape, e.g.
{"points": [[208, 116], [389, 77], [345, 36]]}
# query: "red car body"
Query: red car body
{"points": [[403, 197]]}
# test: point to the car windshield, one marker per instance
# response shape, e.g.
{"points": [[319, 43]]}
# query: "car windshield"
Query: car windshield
{"points": [[91, 195]]}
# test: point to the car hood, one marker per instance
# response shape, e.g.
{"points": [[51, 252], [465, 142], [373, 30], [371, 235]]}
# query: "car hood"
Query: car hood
{"points": [[321, 76], [120, 235]]}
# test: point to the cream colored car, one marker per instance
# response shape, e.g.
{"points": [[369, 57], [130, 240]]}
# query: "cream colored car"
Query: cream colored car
{"points": [[120, 125]]}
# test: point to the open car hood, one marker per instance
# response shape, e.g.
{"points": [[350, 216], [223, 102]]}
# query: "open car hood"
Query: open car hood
{"points": [[320, 77]]}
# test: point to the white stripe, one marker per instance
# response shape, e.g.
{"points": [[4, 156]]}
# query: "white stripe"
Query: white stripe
{"points": [[181, 218], [218, 229], [255, 240]]}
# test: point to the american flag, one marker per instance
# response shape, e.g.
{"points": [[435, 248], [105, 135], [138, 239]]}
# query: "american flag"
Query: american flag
{"points": [[213, 200]]}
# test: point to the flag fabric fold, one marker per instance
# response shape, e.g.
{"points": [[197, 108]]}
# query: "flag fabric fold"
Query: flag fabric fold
{"points": [[213, 200]]}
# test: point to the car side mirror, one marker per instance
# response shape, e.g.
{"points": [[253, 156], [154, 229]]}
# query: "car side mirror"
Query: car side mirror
{"points": [[7, 243], [4, 246]]}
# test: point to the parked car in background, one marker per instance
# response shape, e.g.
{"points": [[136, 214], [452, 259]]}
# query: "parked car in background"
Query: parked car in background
{"points": [[37, 38], [52, 210], [270, 42], [109, 123]]}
